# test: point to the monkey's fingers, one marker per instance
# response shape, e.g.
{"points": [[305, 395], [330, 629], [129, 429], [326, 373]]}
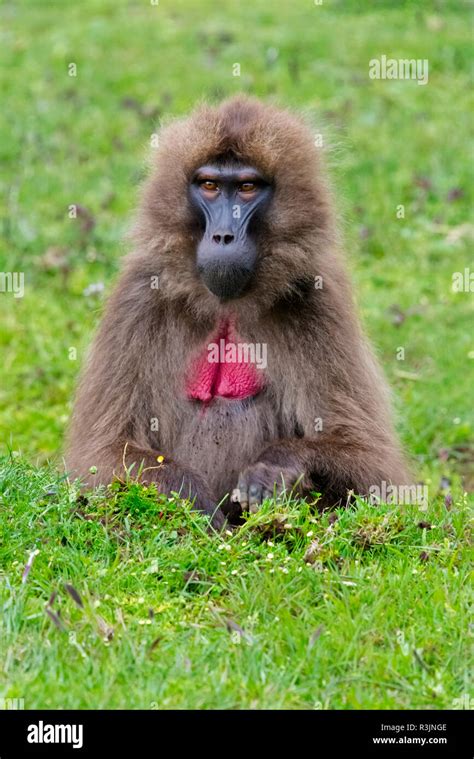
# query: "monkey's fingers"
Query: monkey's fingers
{"points": [[255, 497], [235, 496], [288, 484], [242, 487]]}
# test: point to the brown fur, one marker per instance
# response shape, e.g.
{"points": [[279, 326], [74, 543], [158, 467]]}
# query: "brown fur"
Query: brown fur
{"points": [[319, 364]]}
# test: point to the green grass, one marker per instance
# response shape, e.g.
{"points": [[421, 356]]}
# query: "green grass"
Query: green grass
{"points": [[300, 636], [290, 611]]}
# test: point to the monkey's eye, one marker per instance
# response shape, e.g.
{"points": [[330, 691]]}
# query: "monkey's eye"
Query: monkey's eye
{"points": [[209, 185], [247, 187]]}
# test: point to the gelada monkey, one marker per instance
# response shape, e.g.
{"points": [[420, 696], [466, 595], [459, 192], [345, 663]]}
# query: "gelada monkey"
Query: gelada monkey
{"points": [[230, 345]]}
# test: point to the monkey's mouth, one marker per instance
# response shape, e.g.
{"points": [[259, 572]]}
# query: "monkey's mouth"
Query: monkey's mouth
{"points": [[226, 281]]}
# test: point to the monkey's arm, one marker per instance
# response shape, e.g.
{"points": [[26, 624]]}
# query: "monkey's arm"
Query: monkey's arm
{"points": [[113, 408], [328, 464], [333, 378]]}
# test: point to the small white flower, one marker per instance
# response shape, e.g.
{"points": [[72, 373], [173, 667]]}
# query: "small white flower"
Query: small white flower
{"points": [[94, 289]]}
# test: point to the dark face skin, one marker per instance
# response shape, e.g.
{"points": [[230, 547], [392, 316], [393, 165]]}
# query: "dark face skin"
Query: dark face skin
{"points": [[229, 199]]}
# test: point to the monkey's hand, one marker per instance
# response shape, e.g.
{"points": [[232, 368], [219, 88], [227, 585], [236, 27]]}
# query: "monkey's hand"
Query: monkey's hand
{"points": [[170, 476], [274, 473], [203, 502], [190, 485]]}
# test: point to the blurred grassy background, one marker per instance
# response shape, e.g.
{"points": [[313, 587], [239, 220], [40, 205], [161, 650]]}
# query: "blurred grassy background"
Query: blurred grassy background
{"points": [[84, 140]]}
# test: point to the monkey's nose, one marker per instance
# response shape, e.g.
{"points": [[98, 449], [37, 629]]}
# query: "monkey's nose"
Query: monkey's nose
{"points": [[225, 239]]}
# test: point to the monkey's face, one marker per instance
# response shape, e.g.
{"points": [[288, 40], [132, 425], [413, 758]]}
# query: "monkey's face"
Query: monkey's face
{"points": [[228, 201]]}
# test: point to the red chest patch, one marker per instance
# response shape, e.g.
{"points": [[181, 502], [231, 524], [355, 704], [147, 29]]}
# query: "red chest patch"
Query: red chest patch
{"points": [[226, 369]]}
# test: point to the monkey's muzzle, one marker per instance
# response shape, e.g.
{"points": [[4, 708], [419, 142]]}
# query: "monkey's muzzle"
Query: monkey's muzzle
{"points": [[226, 272], [226, 281]]}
